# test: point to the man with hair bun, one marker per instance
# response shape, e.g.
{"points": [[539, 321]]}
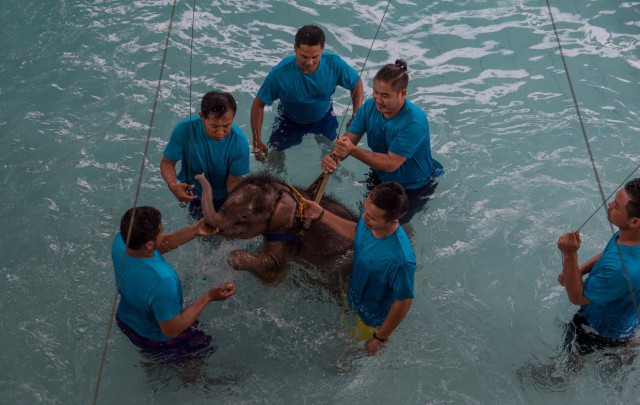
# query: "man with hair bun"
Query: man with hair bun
{"points": [[609, 296], [384, 265], [398, 136], [209, 143], [304, 83]]}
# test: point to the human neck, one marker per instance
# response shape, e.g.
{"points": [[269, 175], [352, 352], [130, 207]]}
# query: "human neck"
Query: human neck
{"points": [[140, 253], [387, 231], [629, 237], [394, 113]]}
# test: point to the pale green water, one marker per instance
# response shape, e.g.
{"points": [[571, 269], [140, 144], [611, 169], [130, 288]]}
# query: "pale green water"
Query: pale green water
{"points": [[76, 90]]}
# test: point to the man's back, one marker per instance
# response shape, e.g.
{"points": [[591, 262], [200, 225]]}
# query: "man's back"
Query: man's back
{"points": [[150, 291]]}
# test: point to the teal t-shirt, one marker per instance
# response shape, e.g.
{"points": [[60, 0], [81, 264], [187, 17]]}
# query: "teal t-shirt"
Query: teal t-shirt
{"points": [[306, 98], [201, 154], [150, 291], [383, 272], [406, 134], [612, 312]]}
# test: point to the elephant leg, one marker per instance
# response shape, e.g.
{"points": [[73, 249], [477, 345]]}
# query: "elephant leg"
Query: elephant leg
{"points": [[269, 265]]}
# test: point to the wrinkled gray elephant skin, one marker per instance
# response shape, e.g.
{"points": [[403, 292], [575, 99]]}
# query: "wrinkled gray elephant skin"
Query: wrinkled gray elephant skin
{"points": [[264, 205]]}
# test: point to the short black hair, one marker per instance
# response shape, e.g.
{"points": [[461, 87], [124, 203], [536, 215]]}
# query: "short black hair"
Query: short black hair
{"points": [[217, 103], [310, 35], [633, 189], [146, 226], [395, 74], [392, 198]]}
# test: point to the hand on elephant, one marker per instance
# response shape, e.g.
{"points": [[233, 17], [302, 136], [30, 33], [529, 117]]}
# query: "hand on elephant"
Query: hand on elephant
{"points": [[312, 209], [205, 230], [222, 292], [182, 191]]}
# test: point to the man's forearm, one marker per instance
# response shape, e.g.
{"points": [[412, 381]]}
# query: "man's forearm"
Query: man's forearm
{"points": [[168, 171], [357, 96], [185, 318], [257, 117], [343, 226], [378, 161], [397, 313], [573, 279], [175, 239]]}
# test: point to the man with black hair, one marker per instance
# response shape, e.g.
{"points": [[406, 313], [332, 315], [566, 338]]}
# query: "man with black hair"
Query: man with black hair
{"points": [[150, 310], [384, 265], [609, 297], [211, 144], [304, 84]]}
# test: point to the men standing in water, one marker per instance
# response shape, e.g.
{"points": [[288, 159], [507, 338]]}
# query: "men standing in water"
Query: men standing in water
{"points": [[398, 136], [304, 84], [211, 144], [384, 265], [609, 297], [150, 311]]}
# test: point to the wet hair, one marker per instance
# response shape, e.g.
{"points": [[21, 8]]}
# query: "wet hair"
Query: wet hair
{"points": [[217, 103], [390, 197], [633, 189], [310, 35], [394, 74], [146, 226]]}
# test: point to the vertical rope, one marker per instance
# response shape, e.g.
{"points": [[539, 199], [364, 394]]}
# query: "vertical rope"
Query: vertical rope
{"points": [[593, 163], [135, 204], [365, 64]]}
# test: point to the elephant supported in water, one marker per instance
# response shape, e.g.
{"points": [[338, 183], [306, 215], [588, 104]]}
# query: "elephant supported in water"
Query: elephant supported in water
{"points": [[264, 205]]}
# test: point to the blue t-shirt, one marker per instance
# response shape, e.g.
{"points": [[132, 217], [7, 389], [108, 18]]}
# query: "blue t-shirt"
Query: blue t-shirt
{"points": [[383, 272], [306, 98], [612, 312], [201, 154], [406, 134], [150, 291]]}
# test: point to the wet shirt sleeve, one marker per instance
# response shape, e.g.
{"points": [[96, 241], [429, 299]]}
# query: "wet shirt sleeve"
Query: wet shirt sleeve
{"points": [[408, 139], [605, 286], [175, 147], [239, 159]]}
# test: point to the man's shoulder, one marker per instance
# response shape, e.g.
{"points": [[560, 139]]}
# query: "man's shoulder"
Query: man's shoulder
{"points": [[284, 65]]}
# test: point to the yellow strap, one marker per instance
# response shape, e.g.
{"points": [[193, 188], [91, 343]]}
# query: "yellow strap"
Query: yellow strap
{"points": [[302, 205]]}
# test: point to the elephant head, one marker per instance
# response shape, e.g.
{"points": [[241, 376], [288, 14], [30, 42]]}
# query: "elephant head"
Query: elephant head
{"points": [[259, 205]]}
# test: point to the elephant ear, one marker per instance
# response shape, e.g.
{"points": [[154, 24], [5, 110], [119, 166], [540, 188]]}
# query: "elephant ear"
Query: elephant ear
{"points": [[283, 214]]}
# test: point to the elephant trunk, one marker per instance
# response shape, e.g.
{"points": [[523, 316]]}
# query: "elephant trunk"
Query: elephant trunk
{"points": [[211, 217]]}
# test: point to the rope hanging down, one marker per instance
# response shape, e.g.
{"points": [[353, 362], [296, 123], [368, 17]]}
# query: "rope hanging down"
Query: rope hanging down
{"points": [[593, 164], [318, 186], [135, 204], [193, 16]]}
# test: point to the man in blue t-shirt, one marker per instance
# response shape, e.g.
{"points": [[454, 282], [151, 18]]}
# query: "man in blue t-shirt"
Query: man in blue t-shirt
{"points": [[398, 136], [304, 84], [608, 298], [384, 265], [150, 310], [211, 144]]}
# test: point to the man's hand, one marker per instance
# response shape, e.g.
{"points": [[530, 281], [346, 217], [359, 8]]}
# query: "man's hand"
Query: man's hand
{"points": [[182, 191], [373, 346], [312, 209], [260, 150], [343, 147], [204, 229], [328, 164], [222, 292], [569, 242]]}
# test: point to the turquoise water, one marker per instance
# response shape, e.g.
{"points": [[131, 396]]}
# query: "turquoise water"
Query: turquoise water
{"points": [[76, 90]]}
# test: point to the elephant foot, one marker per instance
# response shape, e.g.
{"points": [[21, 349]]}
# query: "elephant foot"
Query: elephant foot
{"points": [[262, 265]]}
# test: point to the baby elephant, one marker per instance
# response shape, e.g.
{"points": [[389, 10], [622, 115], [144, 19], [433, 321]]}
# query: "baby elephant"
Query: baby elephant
{"points": [[264, 205]]}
